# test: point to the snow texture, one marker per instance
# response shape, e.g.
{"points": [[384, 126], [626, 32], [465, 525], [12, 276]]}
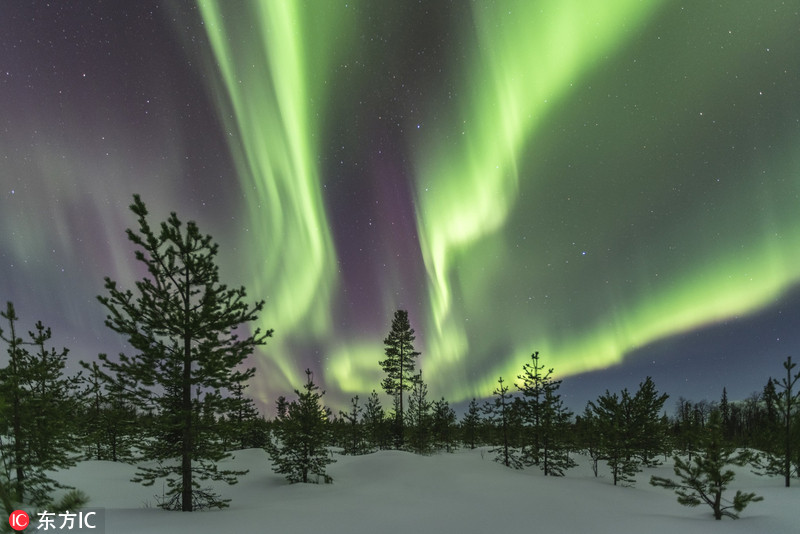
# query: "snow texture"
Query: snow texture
{"points": [[398, 492]]}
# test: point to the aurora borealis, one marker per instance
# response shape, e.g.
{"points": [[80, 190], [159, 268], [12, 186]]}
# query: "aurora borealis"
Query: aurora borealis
{"points": [[615, 184]]}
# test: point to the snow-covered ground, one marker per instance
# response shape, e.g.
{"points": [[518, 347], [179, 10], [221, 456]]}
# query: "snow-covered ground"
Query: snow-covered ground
{"points": [[397, 492]]}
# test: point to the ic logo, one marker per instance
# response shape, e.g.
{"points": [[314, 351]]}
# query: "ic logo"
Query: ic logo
{"points": [[19, 520]]}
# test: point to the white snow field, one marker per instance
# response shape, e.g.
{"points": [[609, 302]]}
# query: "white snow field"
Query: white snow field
{"points": [[391, 492]]}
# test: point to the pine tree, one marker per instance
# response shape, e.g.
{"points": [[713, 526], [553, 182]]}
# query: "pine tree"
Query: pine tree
{"points": [[614, 417], [375, 422], [108, 420], [418, 417], [354, 434], [399, 367], [725, 413], [187, 330], [778, 426], [704, 479], [588, 435], [688, 426], [787, 400], [650, 431], [303, 433], [444, 425], [246, 428], [555, 458], [534, 384], [505, 419], [37, 406], [546, 419], [470, 424]]}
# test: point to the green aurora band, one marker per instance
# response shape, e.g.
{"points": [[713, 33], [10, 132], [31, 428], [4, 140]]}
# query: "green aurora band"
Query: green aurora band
{"points": [[470, 187], [271, 95], [486, 190]]}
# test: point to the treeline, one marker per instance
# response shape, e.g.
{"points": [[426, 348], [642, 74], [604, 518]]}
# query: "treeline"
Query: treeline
{"points": [[177, 404]]}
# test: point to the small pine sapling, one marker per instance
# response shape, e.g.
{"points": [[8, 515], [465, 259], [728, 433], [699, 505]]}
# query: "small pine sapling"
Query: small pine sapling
{"points": [[303, 434], [704, 478]]}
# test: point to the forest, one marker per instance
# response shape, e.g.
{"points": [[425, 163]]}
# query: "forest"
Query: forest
{"points": [[177, 404]]}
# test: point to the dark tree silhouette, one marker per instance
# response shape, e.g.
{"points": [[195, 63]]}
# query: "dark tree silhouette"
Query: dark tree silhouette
{"points": [[704, 479], [504, 417], [303, 433], [399, 367], [188, 331], [37, 403]]}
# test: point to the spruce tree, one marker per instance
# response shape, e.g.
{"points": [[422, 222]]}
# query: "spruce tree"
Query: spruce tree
{"points": [[502, 415], [470, 424], [303, 433], [705, 478], [399, 367], [188, 333], [37, 407]]}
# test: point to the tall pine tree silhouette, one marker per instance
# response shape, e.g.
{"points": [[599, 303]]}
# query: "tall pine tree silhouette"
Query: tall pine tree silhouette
{"points": [[188, 333], [399, 366]]}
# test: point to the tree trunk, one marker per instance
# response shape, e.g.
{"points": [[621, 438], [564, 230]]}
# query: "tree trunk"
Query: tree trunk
{"points": [[17, 418], [186, 410], [787, 458]]}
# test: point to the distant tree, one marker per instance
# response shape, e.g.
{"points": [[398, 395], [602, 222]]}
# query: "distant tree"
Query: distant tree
{"points": [[354, 431], [781, 401], [546, 419], [246, 427], [534, 383], [375, 424], [303, 433], [37, 406], [418, 417], [725, 414], [788, 401], [649, 428], [555, 442], [443, 425], [470, 424], [501, 414], [108, 421], [689, 424], [188, 333], [614, 418], [588, 435], [399, 367], [704, 479]]}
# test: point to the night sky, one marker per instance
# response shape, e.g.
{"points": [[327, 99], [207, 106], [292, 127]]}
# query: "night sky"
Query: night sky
{"points": [[614, 183]]}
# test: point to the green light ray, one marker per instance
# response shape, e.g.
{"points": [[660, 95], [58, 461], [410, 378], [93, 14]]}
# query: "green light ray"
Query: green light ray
{"points": [[272, 60], [530, 54]]}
